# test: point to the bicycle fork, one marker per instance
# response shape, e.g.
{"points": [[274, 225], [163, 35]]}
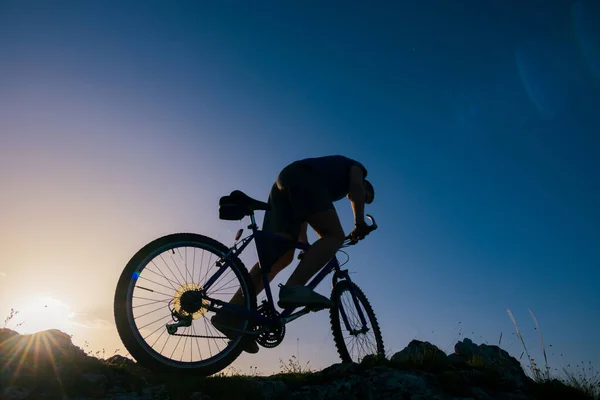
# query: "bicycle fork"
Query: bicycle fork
{"points": [[343, 275]]}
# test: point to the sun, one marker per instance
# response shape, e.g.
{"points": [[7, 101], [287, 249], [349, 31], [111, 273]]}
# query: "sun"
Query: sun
{"points": [[44, 313]]}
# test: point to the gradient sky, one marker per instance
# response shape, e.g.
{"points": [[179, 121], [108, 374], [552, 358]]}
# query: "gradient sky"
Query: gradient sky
{"points": [[124, 121]]}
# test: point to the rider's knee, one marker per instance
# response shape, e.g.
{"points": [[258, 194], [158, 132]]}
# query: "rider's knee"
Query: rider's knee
{"points": [[337, 237], [327, 225]]}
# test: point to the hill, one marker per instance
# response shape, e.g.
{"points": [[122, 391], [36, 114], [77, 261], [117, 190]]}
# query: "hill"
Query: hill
{"points": [[47, 365]]}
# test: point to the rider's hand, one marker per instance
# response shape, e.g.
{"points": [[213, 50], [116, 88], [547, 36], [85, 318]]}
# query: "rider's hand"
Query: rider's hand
{"points": [[359, 232]]}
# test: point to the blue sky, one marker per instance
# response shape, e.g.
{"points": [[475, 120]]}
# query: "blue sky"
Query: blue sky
{"points": [[120, 123]]}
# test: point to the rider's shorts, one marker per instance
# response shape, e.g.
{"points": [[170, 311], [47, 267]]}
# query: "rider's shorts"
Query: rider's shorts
{"points": [[298, 193]]}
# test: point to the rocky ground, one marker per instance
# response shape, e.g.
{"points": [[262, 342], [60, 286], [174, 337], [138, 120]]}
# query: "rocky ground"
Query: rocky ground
{"points": [[47, 365]]}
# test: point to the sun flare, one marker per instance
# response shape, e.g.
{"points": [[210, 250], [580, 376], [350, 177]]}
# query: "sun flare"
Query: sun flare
{"points": [[44, 313]]}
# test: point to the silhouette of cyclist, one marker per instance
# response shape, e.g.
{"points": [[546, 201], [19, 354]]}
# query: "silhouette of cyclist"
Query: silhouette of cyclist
{"points": [[303, 195]]}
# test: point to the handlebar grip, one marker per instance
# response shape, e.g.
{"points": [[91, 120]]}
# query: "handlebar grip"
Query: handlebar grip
{"points": [[371, 228], [373, 223]]}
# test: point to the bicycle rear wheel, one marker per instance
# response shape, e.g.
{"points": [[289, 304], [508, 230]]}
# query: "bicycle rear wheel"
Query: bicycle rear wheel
{"points": [[165, 276], [355, 340]]}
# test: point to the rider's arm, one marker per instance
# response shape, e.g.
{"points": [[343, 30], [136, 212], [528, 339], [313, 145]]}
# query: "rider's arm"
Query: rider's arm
{"points": [[357, 194]]}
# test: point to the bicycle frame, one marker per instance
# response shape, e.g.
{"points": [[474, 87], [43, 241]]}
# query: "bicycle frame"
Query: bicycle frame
{"points": [[287, 315]]}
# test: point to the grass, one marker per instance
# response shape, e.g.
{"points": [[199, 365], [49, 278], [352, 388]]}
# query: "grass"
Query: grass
{"points": [[13, 313], [99, 354], [293, 366], [585, 379], [235, 371], [538, 374]]}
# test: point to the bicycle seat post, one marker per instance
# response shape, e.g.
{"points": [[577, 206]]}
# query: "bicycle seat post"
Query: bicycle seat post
{"points": [[252, 225]]}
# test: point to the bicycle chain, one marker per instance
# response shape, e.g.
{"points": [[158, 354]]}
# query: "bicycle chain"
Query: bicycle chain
{"points": [[212, 337]]}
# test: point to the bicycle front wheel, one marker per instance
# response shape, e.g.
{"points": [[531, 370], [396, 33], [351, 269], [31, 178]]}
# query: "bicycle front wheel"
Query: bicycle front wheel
{"points": [[354, 337], [165, 276]]}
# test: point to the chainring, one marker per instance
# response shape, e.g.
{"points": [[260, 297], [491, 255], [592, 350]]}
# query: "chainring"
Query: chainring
{"points": [[274, 334]]}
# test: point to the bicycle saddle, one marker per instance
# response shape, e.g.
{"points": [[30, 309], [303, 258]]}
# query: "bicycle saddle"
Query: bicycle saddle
{"points": [[238, 204]]}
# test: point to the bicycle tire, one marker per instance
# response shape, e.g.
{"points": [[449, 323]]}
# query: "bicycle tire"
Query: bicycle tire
{"points": [[337, 323], [131, 336]]}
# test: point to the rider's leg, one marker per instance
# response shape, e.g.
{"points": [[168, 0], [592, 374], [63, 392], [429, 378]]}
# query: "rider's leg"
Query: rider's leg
{"points": [[276, 268], [294, 293], [256, 273], [286, 259], [331, 237], [309, 200], [226, 323]]}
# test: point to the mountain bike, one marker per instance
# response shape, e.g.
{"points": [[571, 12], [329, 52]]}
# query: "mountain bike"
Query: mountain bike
{"points": [[166, 325]]}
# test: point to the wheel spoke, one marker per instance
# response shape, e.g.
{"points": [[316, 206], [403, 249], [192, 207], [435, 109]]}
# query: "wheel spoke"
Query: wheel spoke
{"points": [[171, 271], [153, 322], [173, 283], [194, 264], [176, 266], [184, 259], [152, 301], [175, 348], [150, 312], [226, 283], [208, 268], [156, 283], [197, 341]]}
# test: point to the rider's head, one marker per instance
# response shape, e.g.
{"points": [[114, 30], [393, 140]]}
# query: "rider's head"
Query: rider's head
{"points": [[369, 192]]}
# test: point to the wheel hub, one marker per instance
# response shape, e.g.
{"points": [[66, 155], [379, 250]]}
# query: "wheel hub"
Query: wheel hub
{"points": [[188, 301]]}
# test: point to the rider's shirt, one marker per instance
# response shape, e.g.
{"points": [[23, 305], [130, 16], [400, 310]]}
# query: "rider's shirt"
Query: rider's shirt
{"points": [[335, 172]]}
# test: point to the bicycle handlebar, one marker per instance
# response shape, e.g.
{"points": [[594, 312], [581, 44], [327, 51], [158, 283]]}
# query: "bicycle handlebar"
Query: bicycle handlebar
{"points": [[348, 240]]}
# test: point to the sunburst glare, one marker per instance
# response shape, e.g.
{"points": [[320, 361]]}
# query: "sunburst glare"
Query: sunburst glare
{"points": [[44, 313]]}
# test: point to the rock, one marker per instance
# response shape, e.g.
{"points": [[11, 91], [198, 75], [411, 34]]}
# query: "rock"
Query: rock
{"points": [[16, 393], [271, 389], [380, 383], [372, 360], [199, 396], [456, 361], [7, 334], [422, 355], [97, 385], [50, 367], [339, 370], [119, 360], [494, 360]]}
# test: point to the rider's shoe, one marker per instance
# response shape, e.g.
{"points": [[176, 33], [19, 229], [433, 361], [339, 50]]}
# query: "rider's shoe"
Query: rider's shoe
{"points": [[227, 323], [302, 296]]}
